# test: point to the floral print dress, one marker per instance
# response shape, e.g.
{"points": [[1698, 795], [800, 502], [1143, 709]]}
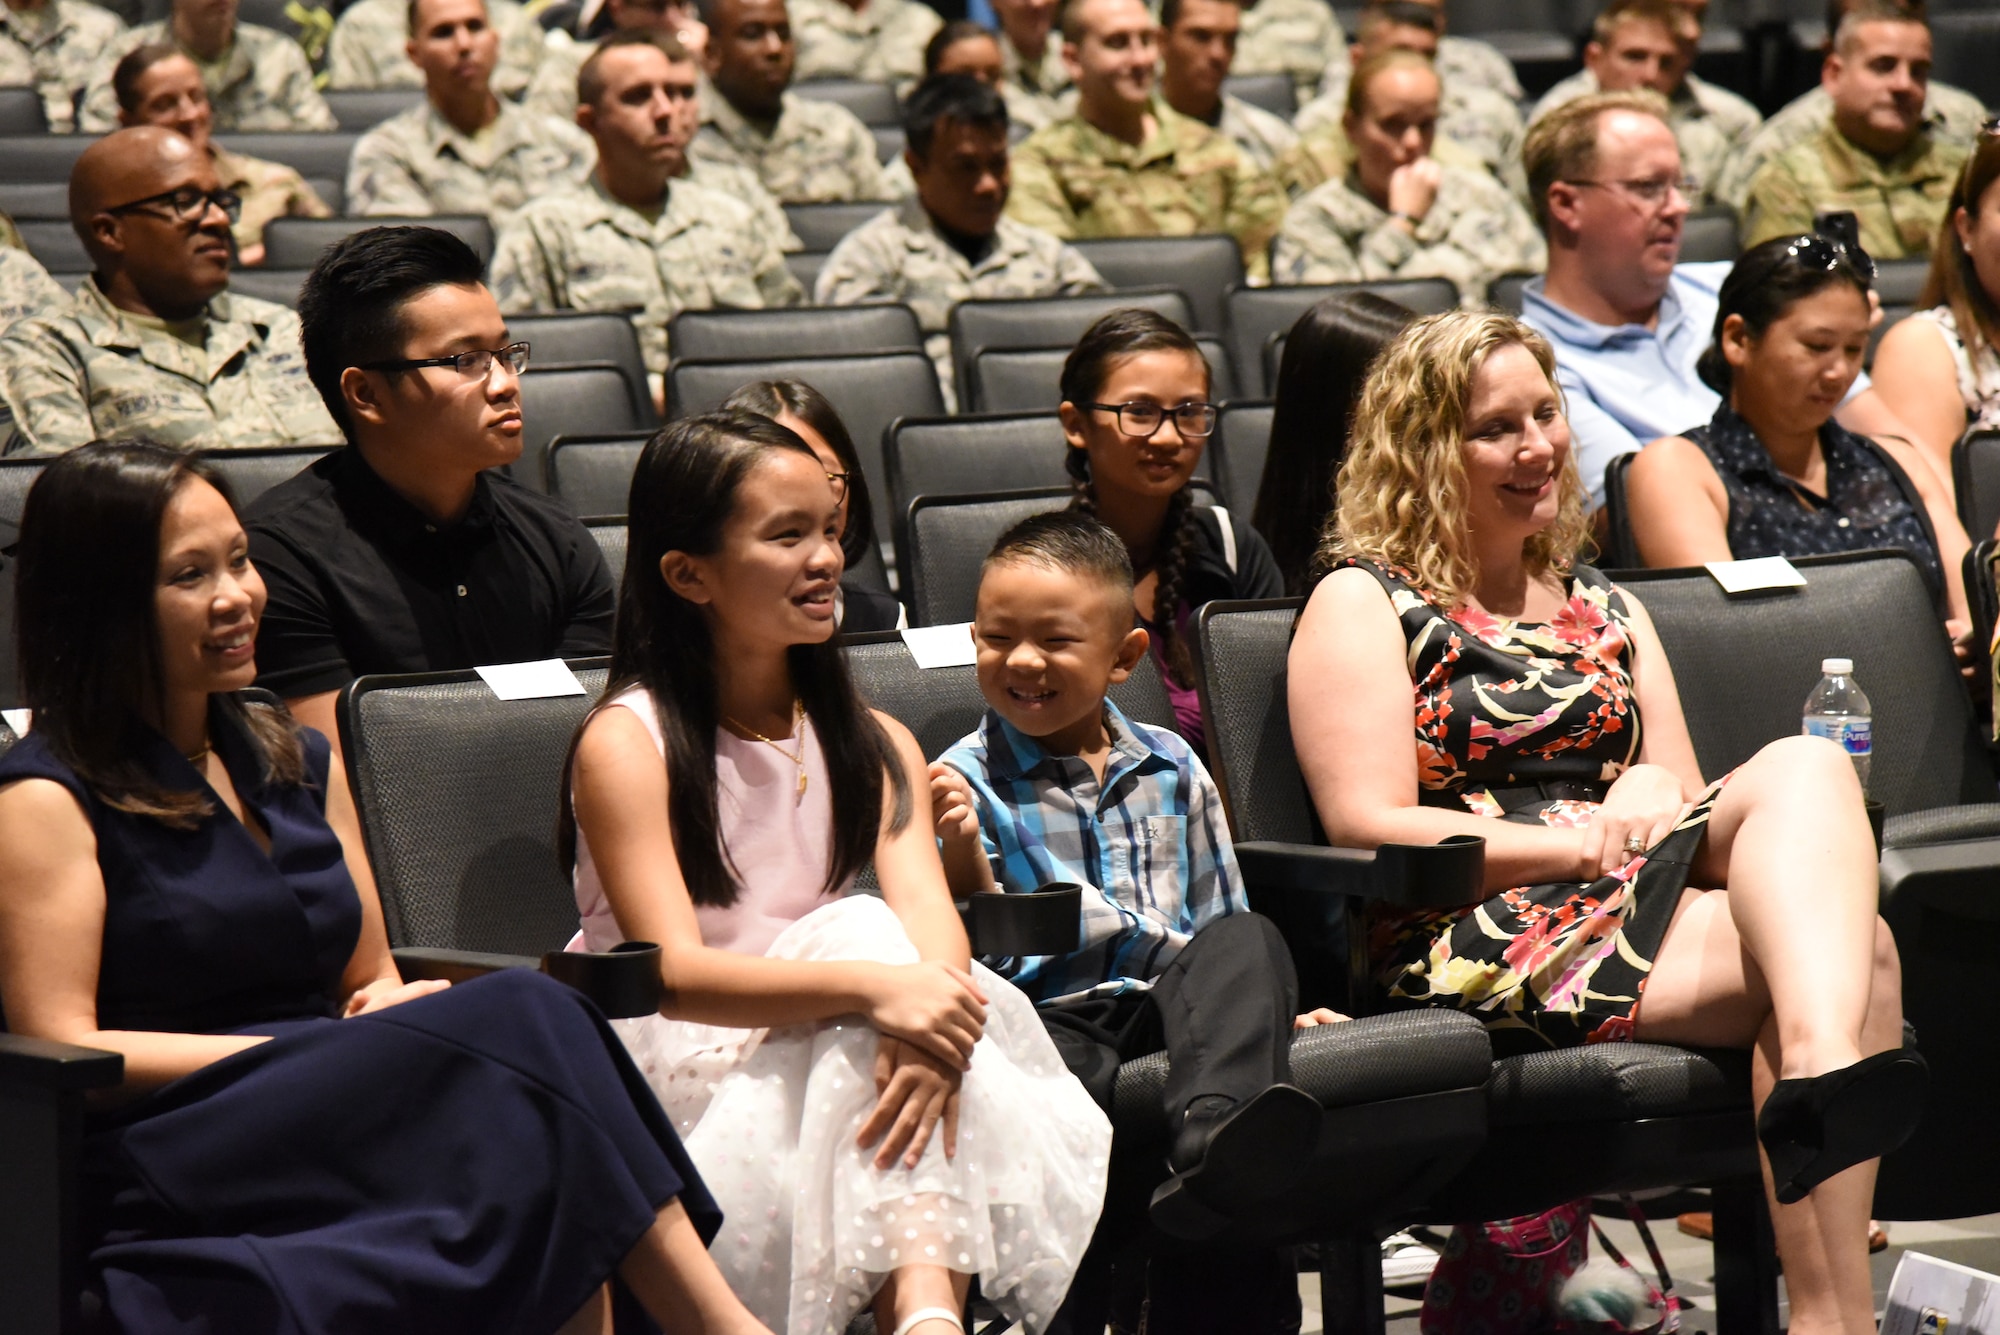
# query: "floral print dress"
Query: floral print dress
{"points": [[1532, 722]]}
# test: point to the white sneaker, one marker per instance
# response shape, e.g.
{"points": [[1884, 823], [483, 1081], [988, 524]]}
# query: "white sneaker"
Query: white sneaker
{"points": [[1406, 1261]]}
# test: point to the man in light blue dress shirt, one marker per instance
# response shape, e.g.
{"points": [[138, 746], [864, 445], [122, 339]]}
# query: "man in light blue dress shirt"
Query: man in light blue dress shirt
{"points": [[1626, 319]]}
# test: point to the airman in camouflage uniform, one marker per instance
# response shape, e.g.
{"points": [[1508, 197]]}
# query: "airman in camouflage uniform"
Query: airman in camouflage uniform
{"points": [[56, 46], [1296, 37], [581, 250], [25, 286], [1899, 201], [899, 256], [261, 81], [90, 371], [813, 153], [881, 41], [1477, 130], [417, 163], [368, 37], [1951, 113], [1710, 124], [1474, 232], [1075, 181]]}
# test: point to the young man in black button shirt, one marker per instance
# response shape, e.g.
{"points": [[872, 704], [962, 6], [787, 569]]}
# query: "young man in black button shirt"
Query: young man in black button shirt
{"points": [[407, 551]]}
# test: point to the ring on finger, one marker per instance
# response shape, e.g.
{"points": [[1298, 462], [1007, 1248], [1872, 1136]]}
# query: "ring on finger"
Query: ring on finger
{"points": [[1634, 844]]}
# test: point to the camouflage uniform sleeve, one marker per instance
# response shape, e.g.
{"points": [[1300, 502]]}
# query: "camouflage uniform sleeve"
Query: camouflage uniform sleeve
{"points": [[1036, 198], [347, 62], [290, 77], [1310, 163], [1256, 209], [861, 269], [522, 271], [1076, 275], [97, 113], [25, 286], [1744, 166], [776, 282], [1310, 248], [1778, 205], [521, 50], [870, 181], [42, 385], [380, 184]]}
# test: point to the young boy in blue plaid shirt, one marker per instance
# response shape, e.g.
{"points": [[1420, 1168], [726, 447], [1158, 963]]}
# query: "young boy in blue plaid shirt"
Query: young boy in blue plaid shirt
{"points": [[1057, 785]]}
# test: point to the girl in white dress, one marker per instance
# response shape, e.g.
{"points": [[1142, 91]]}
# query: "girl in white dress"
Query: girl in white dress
{"points": [[877, 1116]]}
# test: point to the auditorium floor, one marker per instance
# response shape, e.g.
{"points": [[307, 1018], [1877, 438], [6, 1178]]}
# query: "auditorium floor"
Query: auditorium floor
{"points": [[1973, 1242]]}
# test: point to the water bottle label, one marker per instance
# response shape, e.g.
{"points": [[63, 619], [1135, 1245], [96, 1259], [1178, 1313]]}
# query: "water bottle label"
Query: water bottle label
{"points": [[1854, 735]]}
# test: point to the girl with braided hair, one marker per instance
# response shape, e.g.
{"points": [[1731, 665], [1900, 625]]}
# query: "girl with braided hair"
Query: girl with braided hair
{"points": [[1137, 418]]}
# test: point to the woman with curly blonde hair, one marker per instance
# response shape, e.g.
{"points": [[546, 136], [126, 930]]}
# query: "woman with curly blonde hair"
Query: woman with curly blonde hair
{"points": [[1459, 616]]}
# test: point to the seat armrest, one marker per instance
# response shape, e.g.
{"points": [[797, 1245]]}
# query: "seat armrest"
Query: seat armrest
{"points": [[1023, 924], [37, 1063], [1955, 878], [454, 966], [1445, 875]]}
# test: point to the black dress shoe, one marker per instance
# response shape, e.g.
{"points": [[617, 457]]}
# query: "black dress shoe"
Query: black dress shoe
{"points": [[1817, 1127], [1228, 1156]]}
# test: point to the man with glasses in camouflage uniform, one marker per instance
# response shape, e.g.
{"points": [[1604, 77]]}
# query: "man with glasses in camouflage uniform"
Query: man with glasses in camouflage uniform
{"points": [[153, 345]]}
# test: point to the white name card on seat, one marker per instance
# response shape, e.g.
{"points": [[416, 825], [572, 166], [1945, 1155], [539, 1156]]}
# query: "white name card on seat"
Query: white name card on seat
{"points": [[1763, 572], [531, 681], [941, 646]]}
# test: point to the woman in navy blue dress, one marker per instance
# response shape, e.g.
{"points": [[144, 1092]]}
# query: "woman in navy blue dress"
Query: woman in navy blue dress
{"points": [[302, 1142]]}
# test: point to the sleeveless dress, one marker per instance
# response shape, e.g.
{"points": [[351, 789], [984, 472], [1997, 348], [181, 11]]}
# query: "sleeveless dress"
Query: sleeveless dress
{"points": [[1870, 501], [475, 1161], [771, 1115], [1531, 722], [1978, 375]]}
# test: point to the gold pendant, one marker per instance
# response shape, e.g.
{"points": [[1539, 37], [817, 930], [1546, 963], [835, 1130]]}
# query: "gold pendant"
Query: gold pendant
{"points": [[802, 781]]}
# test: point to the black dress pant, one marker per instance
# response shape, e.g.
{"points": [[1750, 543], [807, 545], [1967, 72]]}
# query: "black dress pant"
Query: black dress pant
{"points": [[1223, 1012]]}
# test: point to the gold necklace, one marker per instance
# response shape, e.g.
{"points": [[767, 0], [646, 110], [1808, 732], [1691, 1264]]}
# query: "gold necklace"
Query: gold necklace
{"points": [[196, 758], [798, 736]]}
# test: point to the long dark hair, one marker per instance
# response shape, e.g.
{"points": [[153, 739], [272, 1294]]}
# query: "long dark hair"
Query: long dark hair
{"points": [[773, 397], [683, 492], [88, 628], [1327, 357], [1767, 280], [1117, 335]]}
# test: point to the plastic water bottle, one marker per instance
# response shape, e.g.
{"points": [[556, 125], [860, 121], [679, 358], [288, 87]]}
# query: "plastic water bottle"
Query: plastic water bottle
{"points": [[1839, 712]]}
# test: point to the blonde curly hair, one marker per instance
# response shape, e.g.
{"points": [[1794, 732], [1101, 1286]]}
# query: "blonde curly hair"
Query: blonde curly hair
{"points": [[1400, 496]]}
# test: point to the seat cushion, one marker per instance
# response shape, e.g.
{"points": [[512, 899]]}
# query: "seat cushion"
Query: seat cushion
{"points": [[1942, 825], [1616, 1082], [1368, 1060]]}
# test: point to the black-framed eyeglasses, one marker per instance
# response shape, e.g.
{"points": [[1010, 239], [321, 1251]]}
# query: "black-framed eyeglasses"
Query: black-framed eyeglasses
{"points": [[1142, 420], [1823, 252], [188, 204], [474, 365], [1652, 191], [839, 481]]}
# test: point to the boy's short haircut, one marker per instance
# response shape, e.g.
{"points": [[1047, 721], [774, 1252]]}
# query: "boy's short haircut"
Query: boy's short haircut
{"points": [[1069, 541]]}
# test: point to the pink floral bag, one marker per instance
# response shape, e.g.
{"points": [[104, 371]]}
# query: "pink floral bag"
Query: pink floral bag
{"points": [[1514, 1277]]}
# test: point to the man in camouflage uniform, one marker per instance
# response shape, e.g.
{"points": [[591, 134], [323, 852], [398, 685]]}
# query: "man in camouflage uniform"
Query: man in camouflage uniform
{"points": [[152, 345], [157, 85], [1462, 62], [1199, 43], [1398, 213], [634, 239], [881, 41], [464, 150], [1296, 37], [1031, 57], [55, 46], [1951, 113], [257, 79], [1876, 156], [1127, 164], [952, 242], [553, 90], [1477, 128], [1651, 44], [25, 286], [805, 152], [367, 47]]}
